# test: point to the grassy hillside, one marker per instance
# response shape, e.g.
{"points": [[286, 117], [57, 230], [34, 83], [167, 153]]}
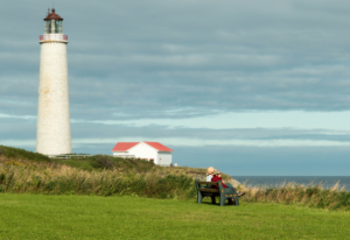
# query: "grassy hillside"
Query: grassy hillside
{"points": [[21, 154], [83, 217], [26, 172], [100, 162]]}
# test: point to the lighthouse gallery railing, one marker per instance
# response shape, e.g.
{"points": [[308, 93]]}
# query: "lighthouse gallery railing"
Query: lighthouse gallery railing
{"points": [[53, 37]]}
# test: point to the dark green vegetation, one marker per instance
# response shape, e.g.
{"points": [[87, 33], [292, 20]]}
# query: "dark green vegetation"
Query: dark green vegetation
{"points": [[83, 217], [16, 153], [101, 162]]}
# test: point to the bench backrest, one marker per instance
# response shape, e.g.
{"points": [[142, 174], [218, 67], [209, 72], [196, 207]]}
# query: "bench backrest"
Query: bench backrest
{"points": [[208, 183], [209, 186]]}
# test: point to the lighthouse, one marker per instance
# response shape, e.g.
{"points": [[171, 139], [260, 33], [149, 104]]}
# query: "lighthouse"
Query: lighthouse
{"points": [[53, 124]]}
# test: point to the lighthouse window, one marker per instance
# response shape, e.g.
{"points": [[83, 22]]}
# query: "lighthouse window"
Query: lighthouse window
{"points": [[46, 27], [54, 26], [50, 27], [59, 27]]}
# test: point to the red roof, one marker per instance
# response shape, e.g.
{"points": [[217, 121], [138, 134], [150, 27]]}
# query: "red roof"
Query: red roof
{"points": [[159, 146], [53, 16], [124, 146]]}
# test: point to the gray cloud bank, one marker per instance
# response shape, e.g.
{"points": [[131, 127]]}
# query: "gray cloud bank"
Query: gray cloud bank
{"points": [[24, 129], [196, 57]]}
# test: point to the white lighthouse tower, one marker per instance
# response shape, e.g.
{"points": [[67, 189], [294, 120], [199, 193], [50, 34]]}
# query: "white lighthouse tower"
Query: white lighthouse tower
{"points": [[53, 126]]}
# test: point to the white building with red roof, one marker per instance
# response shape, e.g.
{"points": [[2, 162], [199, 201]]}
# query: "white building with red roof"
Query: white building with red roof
{"points": [[151, 151]]}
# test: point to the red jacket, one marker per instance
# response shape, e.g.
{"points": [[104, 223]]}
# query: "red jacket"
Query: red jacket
{"points": [[216, 178]]}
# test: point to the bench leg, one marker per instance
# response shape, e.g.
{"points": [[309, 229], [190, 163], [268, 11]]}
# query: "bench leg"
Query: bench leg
{"points": [[213, 199], [222, 201], [236, 201], [199, 198]]}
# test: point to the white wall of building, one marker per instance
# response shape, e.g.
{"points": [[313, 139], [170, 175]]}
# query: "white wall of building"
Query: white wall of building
{"points": [[143, 150], [53, 124], [164, 158]]}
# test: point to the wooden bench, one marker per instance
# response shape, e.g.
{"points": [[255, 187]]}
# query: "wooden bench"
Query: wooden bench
{"points": [[207, 189]]}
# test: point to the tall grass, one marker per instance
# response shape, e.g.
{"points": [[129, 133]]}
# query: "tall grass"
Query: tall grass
{"points": [[334, 198], [52, 178]]}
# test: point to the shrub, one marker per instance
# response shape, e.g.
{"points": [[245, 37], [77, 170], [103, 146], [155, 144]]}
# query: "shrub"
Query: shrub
{"points": [[312, 196], [51, 178]]}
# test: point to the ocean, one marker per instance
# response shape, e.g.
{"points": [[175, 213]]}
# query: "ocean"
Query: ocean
{"points": [[328, 182]]}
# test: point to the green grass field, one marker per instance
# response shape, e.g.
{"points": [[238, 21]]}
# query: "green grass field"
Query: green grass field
{"points": [[82, 217]]}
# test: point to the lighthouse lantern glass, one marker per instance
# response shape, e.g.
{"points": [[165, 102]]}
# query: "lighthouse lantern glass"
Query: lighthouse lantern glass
{"points": [[59, 26], [53, 27], [46, 27]]}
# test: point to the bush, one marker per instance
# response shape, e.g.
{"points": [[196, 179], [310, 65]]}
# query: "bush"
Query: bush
{"points": [[50, 178], [312, 196]]}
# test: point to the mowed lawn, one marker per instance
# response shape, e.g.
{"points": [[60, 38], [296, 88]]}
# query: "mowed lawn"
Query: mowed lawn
{"points": [[84, 217]]}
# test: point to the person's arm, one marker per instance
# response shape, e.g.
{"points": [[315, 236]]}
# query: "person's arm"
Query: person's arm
{"points": [[221, 178], [223, 184]]}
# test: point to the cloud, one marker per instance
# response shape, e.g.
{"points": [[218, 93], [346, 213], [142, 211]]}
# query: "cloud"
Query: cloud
{"points": [[22, 128], [195, 142], [147, 58]]}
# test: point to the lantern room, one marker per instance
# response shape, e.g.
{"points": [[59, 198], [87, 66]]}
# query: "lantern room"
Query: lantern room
{"points": [[53, 23], [53, 29]]}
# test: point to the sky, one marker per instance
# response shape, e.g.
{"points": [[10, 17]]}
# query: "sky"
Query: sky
{"points": [[253, 88]]}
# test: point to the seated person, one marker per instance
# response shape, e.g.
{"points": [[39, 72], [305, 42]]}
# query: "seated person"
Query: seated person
{"points": [[210, 174], [217, 177]]}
